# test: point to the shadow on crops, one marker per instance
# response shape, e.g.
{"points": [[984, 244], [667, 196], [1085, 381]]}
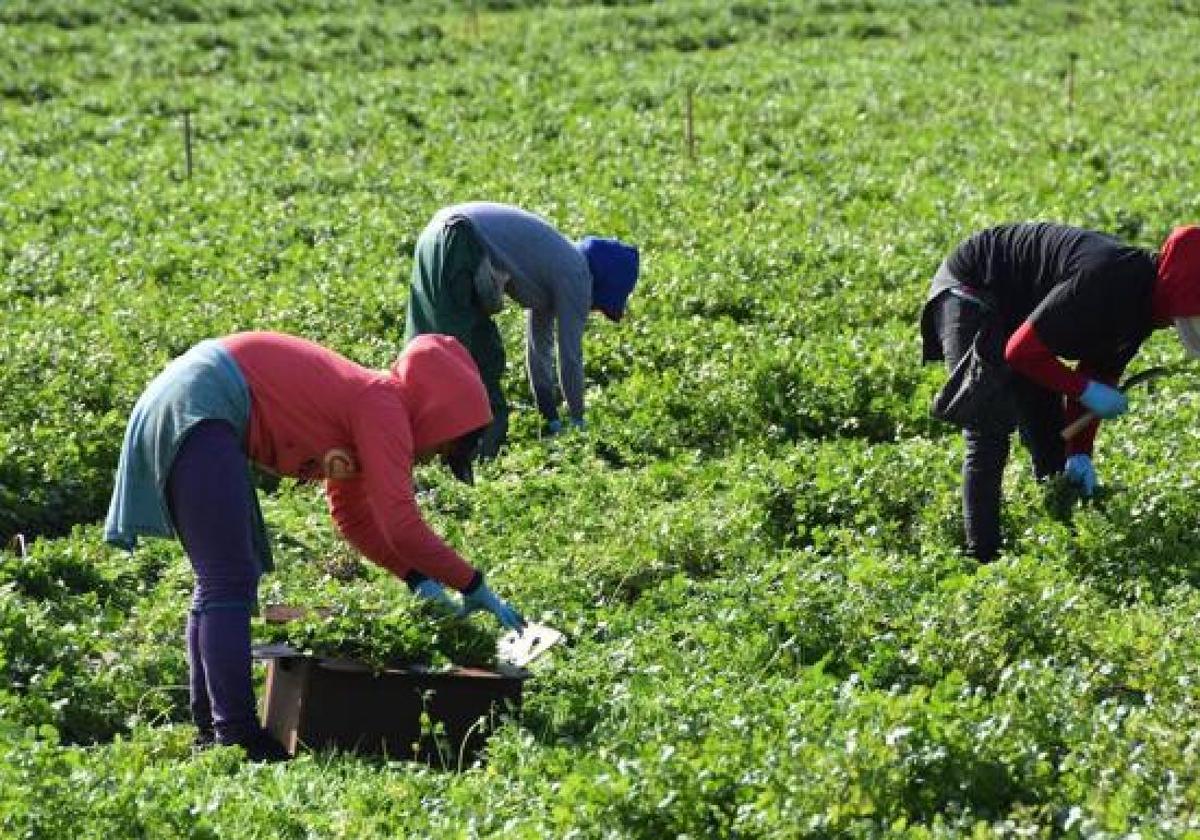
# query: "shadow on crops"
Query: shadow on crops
{"points": [[560, 713], [1134, 542]]}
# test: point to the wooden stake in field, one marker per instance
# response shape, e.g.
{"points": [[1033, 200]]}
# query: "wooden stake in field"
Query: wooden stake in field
{"points": [[689, 131], [1071, 59], [17, 544], [473, 20], [187, 141]]}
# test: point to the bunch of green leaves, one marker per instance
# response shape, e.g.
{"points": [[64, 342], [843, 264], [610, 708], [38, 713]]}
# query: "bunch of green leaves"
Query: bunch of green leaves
{"points": [[401, 632]]}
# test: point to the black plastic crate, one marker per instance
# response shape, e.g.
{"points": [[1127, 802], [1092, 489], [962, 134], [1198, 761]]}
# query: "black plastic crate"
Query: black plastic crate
{"points": [[443, 718]]}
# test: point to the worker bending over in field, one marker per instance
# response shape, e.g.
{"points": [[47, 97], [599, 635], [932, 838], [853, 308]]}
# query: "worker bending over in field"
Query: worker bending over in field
{"points": [[470, 255], [296, 409], [1006, 305]]}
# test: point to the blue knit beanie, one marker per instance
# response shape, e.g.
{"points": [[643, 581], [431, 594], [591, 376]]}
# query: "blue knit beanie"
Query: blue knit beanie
{"points": [[614, 268]]}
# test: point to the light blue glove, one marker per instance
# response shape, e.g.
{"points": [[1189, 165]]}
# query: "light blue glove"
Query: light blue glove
{"points": [[1079, 471], [484, 598], [431, 590], [1104, 400], [553, 427], [578, 424]]}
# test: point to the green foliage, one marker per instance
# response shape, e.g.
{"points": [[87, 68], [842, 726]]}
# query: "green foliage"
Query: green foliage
{"points": [[403, 632], [754, 550]]}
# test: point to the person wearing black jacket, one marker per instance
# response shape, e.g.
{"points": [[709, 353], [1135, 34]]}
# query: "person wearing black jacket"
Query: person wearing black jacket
{"points": [[1006, 306]]}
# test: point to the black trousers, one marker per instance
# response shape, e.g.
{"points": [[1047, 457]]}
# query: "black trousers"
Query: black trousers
{"points": [[1039, 417]]}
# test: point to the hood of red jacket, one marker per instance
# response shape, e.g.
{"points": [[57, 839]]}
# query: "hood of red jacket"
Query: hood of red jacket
{"points": [[1177, 288], [442, 390]]}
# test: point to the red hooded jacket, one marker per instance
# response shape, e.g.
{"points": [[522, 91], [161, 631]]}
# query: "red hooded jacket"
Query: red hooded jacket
{"points": [[316, 415]]}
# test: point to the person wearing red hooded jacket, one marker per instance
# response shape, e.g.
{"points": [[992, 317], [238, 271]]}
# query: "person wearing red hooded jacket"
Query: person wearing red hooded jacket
{"points": [[1003, 311], [293, 408]]}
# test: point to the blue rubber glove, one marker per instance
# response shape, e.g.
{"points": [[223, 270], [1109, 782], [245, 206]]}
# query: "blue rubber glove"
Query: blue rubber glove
{"points": [[578, 424], [484, 598], [1079, 471], [552, 428], [1103, 400], [431, 590]]}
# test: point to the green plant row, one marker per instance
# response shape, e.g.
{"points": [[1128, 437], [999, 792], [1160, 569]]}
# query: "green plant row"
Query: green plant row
{"points": [[754, 550]]}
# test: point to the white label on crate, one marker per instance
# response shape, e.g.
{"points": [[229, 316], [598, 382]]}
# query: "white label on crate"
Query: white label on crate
{"points": [[521, 648]]}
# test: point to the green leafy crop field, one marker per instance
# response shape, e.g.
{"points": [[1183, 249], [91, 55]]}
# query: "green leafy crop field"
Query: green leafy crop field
{"points": [[754, 549]]}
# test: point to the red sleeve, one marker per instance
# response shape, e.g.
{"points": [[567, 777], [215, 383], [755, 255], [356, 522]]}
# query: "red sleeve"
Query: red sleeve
{"points": [[1030, 357], [353, 518], [376, 509]]}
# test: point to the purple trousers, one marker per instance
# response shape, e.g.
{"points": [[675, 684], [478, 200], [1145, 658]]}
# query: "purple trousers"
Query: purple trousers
{"points": [[209, 493]]}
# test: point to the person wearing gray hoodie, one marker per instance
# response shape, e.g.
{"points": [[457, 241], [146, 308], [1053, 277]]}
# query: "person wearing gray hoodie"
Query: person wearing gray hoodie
{"points": [[471, 255]]}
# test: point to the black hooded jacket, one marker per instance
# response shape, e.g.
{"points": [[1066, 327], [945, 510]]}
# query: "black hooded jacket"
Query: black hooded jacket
{"points": [[1087, 294]]}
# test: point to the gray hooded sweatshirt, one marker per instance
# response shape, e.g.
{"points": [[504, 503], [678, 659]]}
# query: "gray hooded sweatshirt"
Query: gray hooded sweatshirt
{"points": [[544, 272]]}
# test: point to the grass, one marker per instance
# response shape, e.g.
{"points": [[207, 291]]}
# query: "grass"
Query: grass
{"points": [[754, 548]]}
